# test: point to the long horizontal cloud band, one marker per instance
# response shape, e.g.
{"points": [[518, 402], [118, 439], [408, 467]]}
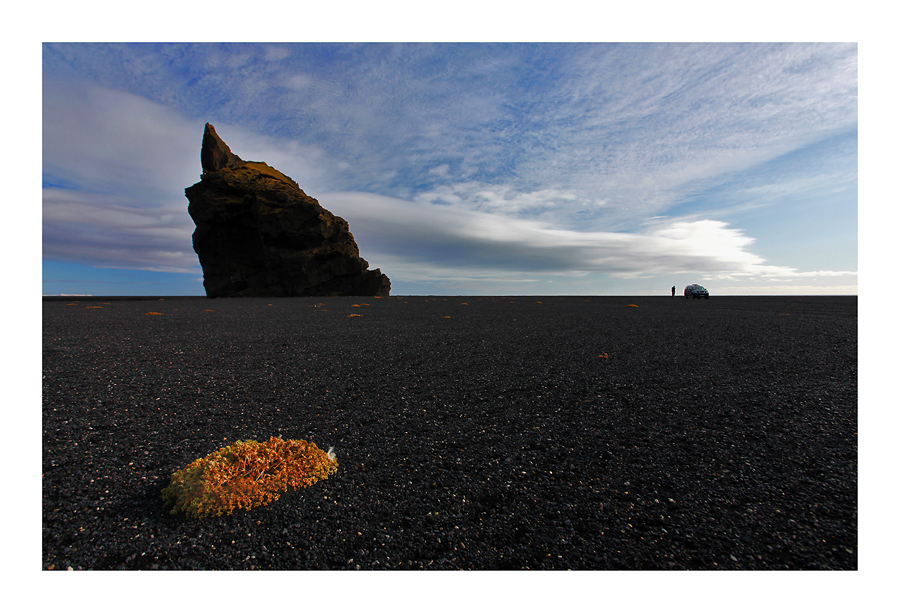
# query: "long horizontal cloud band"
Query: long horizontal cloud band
{"points": [[454, 238], [417, 237], [115, 232]]}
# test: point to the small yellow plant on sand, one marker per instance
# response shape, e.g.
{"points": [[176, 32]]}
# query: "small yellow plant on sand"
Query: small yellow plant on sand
{"points": [[245, 475]]}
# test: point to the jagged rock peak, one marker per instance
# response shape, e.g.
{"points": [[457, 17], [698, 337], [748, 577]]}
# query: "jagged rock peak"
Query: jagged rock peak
{"points": [[259, 234], [214, 153]]}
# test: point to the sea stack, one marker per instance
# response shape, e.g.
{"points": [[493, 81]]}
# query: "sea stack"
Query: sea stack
{"points": [[259, 234]]}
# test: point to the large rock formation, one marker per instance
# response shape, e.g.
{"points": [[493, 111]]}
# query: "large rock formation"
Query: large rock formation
{"points": [[259, 234]]}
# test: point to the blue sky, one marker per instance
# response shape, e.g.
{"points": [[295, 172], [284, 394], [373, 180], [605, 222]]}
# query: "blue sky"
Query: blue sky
{"points": [[469, 168]]}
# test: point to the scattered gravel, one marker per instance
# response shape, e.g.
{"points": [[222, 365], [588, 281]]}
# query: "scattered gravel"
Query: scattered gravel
{"points": [[471, 432]]}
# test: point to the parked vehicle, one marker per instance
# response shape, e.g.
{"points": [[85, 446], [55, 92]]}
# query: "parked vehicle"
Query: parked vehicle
{"points": [[696, 291]]}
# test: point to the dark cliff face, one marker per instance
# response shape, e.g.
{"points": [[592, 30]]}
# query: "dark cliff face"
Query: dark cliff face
{"points": [[259, 234]]}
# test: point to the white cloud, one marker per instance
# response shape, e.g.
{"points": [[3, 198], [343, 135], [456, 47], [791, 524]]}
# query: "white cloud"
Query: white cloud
{"points": [[107, 141], [505, 199], [122, 164], [420, 238], [455, 161], [626, 129], [786, 290], [275, 53], [113, 231], [299, 81]]}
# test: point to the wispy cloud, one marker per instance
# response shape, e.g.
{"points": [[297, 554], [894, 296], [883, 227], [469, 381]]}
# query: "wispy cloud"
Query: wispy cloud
{"points": [[489, 161], [633, 127]]}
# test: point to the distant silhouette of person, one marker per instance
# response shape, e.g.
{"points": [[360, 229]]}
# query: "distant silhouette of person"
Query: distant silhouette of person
{"points": [[673, 291]]}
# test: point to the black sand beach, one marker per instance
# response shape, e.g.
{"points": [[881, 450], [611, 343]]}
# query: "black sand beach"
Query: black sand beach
{"points": [[471, 432]]}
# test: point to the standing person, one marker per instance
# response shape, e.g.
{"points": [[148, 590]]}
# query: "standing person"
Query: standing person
{"points": [[673, 291]]}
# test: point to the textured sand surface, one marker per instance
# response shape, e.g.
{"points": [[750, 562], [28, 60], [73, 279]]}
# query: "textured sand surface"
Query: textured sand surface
{"points": [[471, 432]]}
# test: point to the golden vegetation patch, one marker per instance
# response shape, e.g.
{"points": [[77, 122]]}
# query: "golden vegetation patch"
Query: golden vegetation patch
{"points": [[246, 475], [264, 169]]}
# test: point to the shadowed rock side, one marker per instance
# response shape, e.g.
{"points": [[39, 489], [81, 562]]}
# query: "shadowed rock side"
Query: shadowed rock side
{"points": [[259, 234], [214, 153]]}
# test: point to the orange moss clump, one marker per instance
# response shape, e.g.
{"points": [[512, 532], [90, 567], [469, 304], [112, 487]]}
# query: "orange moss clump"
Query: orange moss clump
{"points": [[246, 475]]}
